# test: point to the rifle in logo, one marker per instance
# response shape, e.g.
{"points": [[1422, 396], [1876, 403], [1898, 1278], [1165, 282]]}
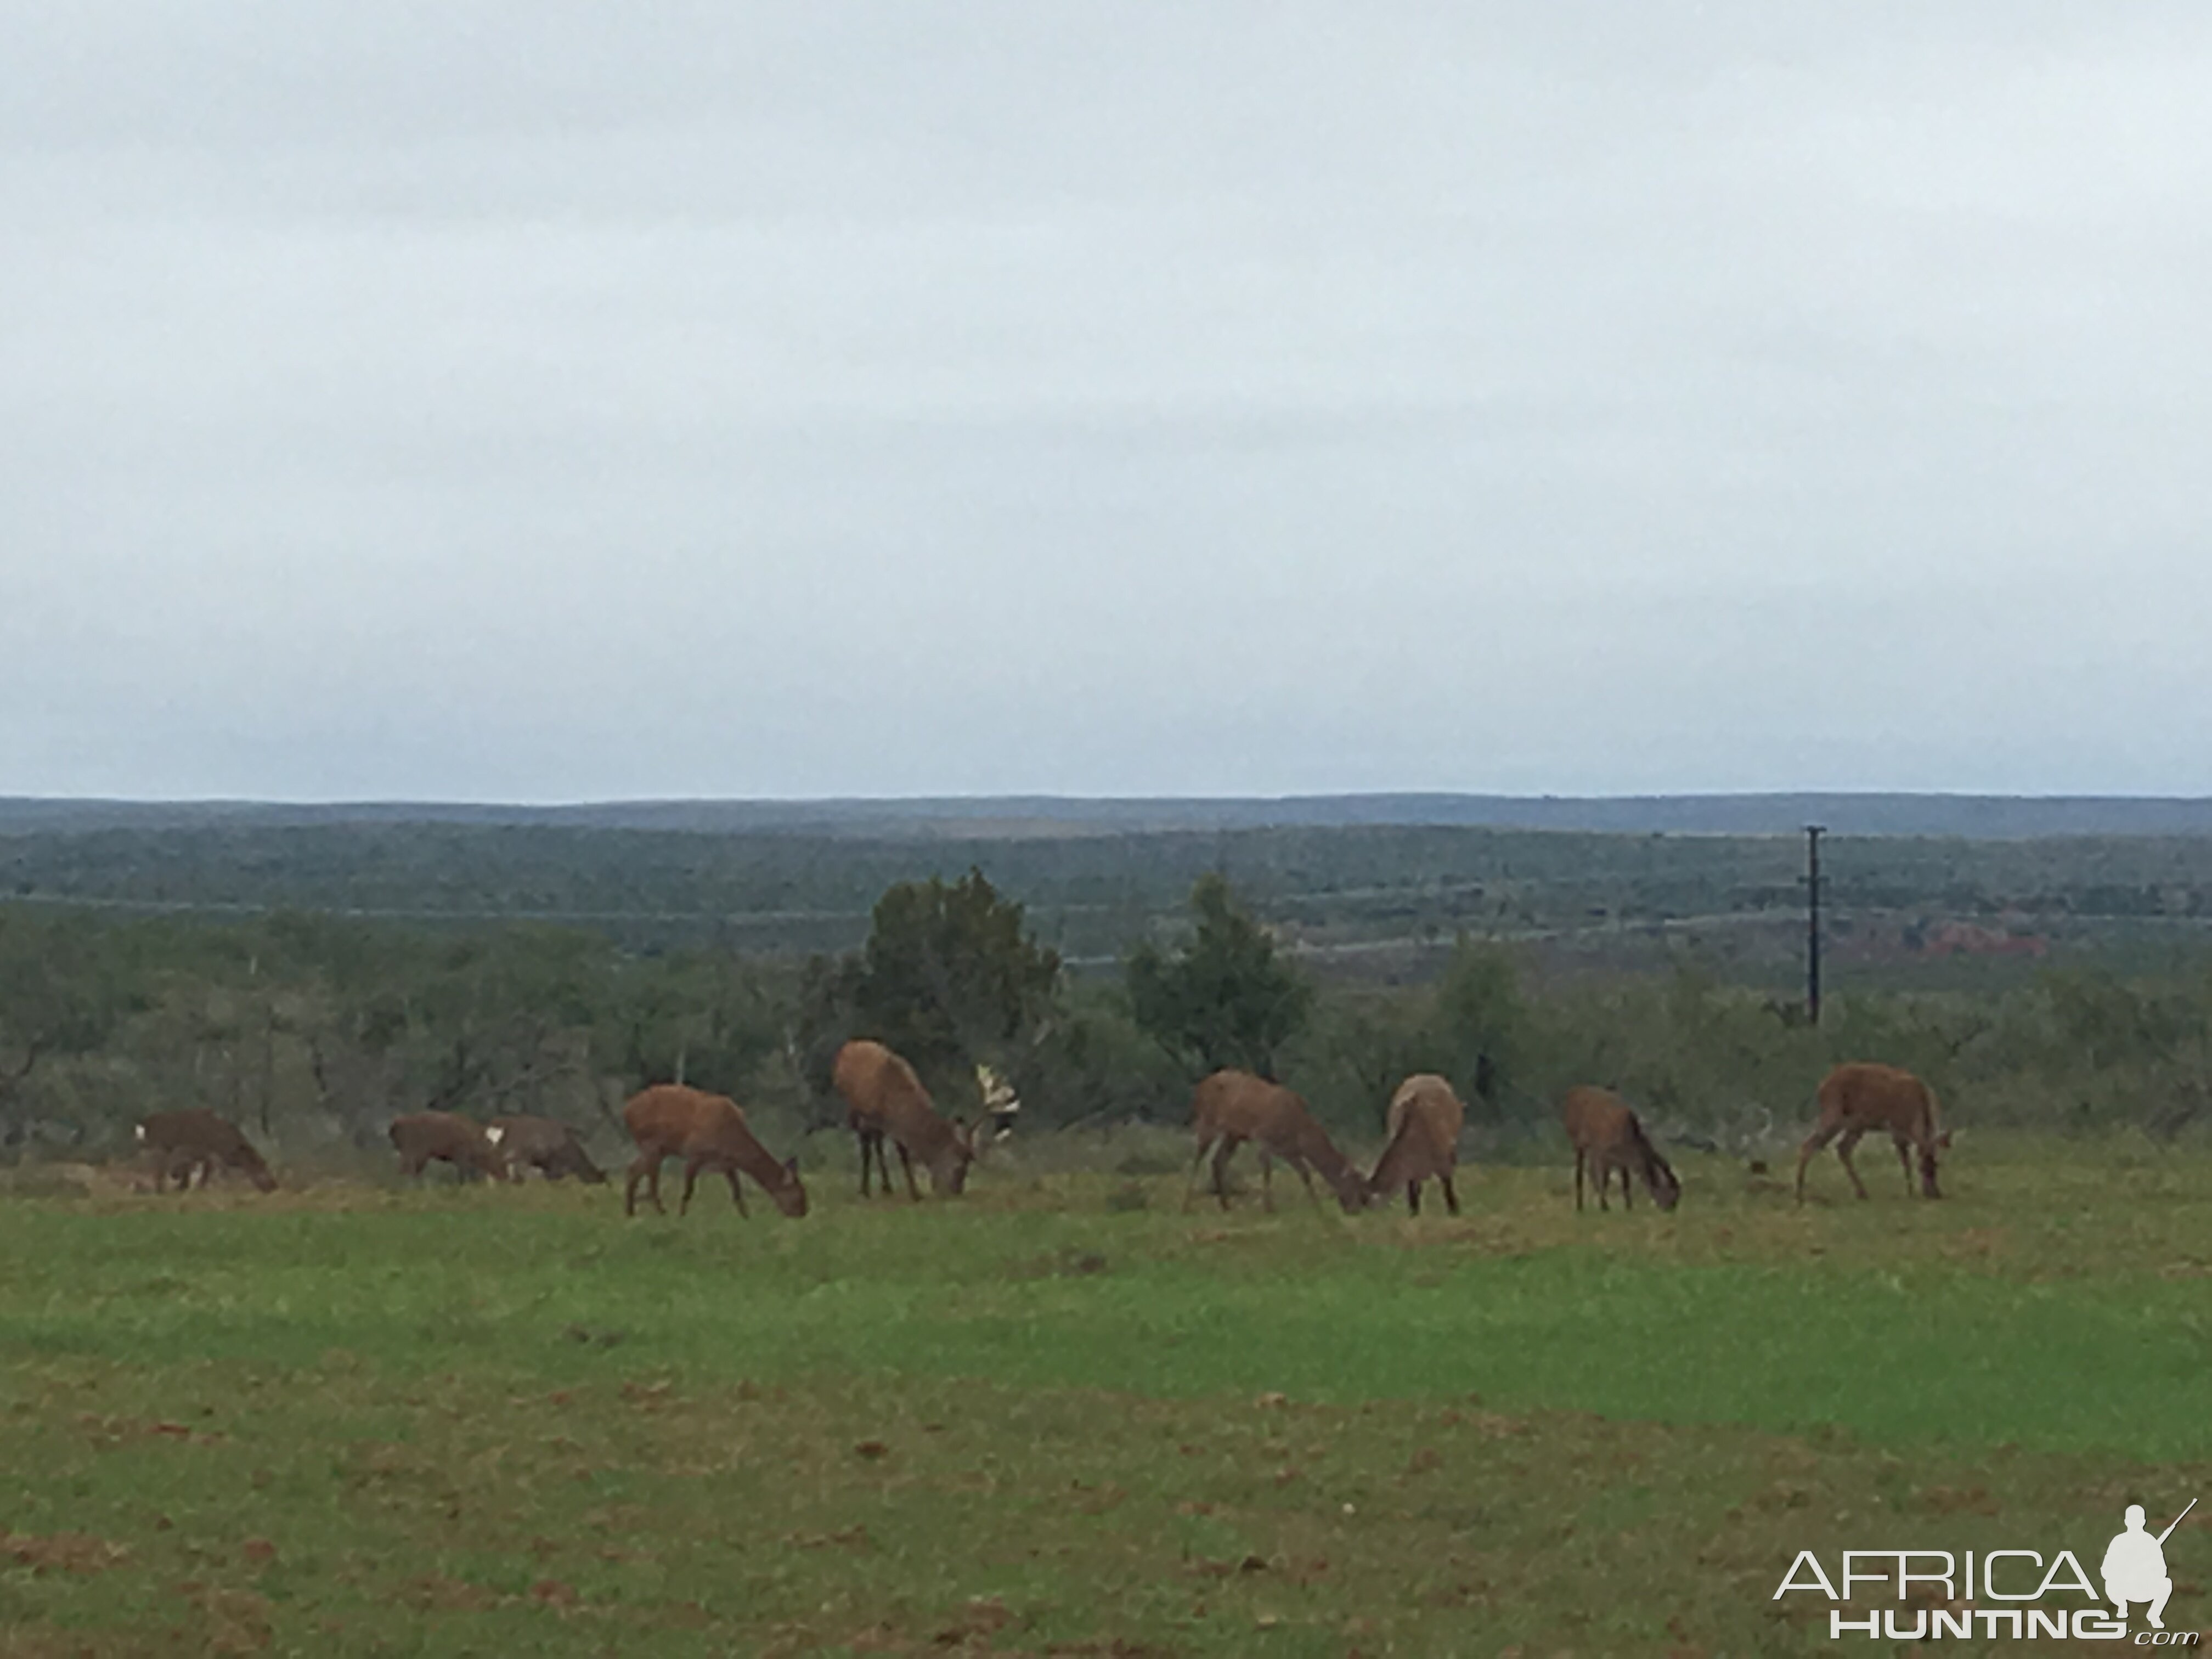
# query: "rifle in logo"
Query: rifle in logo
{"points": [[2177, 1520]]}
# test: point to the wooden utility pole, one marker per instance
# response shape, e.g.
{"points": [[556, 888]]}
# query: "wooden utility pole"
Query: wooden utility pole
{"points": [[1813, 832]]}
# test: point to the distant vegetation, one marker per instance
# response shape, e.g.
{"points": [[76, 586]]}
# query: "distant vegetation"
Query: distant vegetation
{"points": [[1371, 902], [313, 980]]}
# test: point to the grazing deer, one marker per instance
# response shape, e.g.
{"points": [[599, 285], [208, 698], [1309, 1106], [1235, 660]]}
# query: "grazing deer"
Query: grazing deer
{"points": [[886, 1100], [1607, 1137], [1425, 1121], [539, 1143], [425, 1138], [708, 1131], [1860, 1098], [1230, 1108], [198, 1140]]}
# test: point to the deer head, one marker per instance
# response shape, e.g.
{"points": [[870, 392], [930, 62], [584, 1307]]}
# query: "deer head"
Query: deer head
{"points": [[948, 1170], [1928, 1150], [789, 1195], [1353, 1190]]}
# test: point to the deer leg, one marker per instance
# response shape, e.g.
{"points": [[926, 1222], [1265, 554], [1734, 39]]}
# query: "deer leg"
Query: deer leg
{"points": [[905, 1163], [1222, 1153], [1603, 1170], [1844, 1156], [1413, 1198], [737, 1192], [647, 1170], [1305, 1174], [1904, 1160], [1813, 1142], [1578, 1177], [1451, 1198], [1627, 1190], [1197, 1161], [691, 1168], [1267, 1180]]}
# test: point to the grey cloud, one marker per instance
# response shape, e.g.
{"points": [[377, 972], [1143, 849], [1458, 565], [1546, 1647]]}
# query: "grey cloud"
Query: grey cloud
{"points": [[563, 401]]}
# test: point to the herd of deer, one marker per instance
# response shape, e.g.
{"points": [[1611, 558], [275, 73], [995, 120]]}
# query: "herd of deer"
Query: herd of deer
{"points": [[887, 1103]]}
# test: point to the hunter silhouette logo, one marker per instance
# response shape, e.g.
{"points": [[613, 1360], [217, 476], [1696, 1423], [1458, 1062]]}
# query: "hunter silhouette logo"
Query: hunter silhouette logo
{"points": [[2017, 1595], [2135, 1565]]}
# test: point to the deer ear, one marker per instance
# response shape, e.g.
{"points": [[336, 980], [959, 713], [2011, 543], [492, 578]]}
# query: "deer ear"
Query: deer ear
{"points": [[790, 1165]]}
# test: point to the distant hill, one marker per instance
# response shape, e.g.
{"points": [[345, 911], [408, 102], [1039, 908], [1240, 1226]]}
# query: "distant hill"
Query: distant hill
{"points": [[1027, 816]]}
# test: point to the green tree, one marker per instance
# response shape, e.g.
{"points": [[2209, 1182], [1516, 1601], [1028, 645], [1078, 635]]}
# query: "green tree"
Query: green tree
{"points": [[950, 976], [1481, 1024], [64, 987], [1226, 998]]}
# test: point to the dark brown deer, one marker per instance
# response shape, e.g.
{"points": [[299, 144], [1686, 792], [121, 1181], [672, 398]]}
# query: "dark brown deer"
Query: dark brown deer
{"points": [[196, 1140], [1232, 1107], [1607, 1137], [553, 1149], [1861, 1098], [708, 1131], [1424, 1121], [427, 1137], [886, 1100]]}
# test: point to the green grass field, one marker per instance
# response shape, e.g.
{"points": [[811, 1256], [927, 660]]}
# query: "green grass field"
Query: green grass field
{"points": [[1059, 1417]]}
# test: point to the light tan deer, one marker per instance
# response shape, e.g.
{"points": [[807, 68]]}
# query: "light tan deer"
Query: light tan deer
{"points": [[1232, 1107], [1424, 1121], [1860, 1098], [708, 1131], [1607, 1137], [886, 1100], [181, 1142]]}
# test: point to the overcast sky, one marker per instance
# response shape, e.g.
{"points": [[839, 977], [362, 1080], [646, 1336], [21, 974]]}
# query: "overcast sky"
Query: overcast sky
{"points": [[541, 401]]}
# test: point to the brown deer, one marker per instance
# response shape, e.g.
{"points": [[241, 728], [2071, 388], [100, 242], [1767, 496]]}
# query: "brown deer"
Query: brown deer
{"points": [[886, 1100], [1425, 1121], [539, 1143], [1232, 1107], [182, 1143], [425, 1138], [708, 1131], [1607, 1137], [1861, 1098]]}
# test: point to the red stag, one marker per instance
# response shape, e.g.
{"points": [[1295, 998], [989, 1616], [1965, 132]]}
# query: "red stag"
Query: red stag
{"points": [[1230, 1108], [1862, 1097], [708, 1131], [1607, 1137], [886, 1100]]}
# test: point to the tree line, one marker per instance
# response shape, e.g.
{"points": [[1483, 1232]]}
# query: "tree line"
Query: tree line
{"points": [[316, 1030]]}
